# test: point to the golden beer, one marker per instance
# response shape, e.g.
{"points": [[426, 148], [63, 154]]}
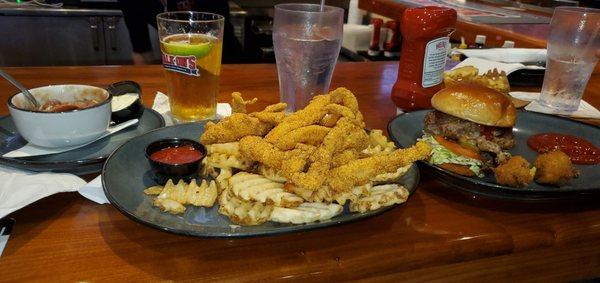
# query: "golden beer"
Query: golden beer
{"points": [[192, 68], [191, 44]]}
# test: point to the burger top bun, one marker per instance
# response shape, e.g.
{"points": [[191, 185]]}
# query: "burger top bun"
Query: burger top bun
{"points": [[476, 103]]}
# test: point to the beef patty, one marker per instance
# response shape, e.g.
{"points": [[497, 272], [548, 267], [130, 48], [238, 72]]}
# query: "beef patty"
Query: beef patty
{"points": [[485, 138]]}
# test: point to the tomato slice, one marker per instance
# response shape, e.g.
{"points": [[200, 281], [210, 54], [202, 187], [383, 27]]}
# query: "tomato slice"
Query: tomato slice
{"points": [[457, 148]]}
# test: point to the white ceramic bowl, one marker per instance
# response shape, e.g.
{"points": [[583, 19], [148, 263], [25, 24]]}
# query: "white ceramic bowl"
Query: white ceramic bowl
{"points": [[61, 129]]}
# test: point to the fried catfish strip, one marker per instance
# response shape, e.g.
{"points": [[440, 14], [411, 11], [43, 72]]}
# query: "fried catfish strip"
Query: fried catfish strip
{"points": [[257, 149], [238, 104], [329, 120], [344, 105], [344, 135], [273, 114], [303, 166], [344, 157], [360, 171], [239, 125], [312, 135], [345, 97], [234, 127], [310, 115]]}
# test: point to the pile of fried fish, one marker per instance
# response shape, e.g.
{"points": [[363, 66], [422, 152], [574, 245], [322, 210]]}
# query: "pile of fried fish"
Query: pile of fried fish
{"points": [[295, 168]]}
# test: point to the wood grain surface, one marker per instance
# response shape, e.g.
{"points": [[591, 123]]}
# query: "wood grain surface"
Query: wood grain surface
{"points": [[524, 35], [438, 235]]}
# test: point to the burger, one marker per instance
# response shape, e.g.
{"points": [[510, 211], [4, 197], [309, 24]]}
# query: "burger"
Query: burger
{"points": [[470, 128]]}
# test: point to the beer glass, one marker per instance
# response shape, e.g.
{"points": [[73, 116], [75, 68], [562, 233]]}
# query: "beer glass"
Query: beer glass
{"points": [[191, 44], [307, 42], [572, 45]]}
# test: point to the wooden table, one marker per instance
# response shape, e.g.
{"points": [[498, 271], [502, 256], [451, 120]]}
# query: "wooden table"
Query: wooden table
{"points": [[437, 235], [524, 35]]}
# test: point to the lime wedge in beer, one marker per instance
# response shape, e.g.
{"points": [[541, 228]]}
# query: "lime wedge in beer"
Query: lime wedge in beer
{"points": [[187, 44]]}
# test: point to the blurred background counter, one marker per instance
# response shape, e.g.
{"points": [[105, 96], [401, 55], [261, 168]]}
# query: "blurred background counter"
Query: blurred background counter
{"points": [[525, 22], [93, 32]]}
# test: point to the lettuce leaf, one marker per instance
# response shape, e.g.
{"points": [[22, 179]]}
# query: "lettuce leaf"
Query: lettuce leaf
{"points": [[440, 155]]}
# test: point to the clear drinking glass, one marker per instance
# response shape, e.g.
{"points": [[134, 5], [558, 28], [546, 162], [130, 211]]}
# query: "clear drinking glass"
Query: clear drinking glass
{"points": [[572, 45], [307, 42], [191, 44]]}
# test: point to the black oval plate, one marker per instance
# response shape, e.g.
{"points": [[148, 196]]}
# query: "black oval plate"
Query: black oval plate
{"points": [[127, 173], [84, 160], [406, 128]]}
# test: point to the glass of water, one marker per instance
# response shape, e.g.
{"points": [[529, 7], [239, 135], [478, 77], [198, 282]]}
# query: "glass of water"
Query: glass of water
{"points": [[307, 41], [572, 45]]}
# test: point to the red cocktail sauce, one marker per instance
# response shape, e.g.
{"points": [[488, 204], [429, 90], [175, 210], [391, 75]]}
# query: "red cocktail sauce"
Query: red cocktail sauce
{"points": [[177, 155], [579, 150]]}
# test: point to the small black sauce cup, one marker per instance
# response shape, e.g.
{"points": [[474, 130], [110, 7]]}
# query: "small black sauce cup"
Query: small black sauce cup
{"points": [[162, 172], [133, 111]]}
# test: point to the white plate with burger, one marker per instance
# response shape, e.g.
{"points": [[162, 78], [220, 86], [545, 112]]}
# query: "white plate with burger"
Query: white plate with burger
{"points": [[482, 144]]}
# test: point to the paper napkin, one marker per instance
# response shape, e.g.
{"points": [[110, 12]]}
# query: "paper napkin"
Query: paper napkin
{"points": [[485, 65], [20, 188], [507, 55], [93, 190], [585, 109], [162, 106]]}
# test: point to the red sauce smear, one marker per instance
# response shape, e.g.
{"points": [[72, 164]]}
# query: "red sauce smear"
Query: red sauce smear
{"points": [[486, 131], [177, 155], [581, 151]]}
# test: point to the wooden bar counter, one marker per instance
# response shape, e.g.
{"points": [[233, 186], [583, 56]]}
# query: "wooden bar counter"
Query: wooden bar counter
{"points": [[525, 35], [439, 234]]}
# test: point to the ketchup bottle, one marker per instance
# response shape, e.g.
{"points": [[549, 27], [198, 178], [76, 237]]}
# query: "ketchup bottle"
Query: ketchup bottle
{"points": [[374, 49], [425, 32], [391, 47]]}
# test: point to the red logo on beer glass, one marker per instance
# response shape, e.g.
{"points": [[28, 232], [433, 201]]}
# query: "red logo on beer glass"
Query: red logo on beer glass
{"points": [[181, 64]]}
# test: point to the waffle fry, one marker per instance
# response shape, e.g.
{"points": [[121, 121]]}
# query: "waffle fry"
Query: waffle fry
{"points": [[220, 160], [380, 196], [270, 173], [327, 195], [390, 177], [169, 205], [173, 197], [306, 213], [243, 212], [376, 138], [230, 148], [252, 187], [222, 179]]}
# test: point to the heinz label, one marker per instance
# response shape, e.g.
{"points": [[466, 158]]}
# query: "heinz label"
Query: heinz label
{"points": [[434, 61], [181, 64]]}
